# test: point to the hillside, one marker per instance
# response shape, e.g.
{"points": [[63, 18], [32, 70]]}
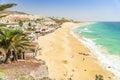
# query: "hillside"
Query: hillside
{"points": [[6, 12]]}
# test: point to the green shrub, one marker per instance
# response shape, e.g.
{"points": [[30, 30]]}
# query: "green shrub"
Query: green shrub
{"points": [[1, 77], [2, 71], [23, 78], [99, 77]]}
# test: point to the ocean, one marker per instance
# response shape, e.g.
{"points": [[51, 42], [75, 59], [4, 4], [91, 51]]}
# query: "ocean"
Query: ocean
{"points": [[103, 39]]}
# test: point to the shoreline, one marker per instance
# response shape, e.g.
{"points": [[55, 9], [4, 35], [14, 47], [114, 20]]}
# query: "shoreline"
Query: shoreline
{"points": [[103, 56], [84, 23], [61, 56]]}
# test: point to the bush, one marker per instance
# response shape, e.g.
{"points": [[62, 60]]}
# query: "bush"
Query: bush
{"points": [[23, 78], [99, 77], [1, 77], [2, 71]]}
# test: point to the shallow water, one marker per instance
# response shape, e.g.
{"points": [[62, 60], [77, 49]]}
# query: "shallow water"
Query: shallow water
{"points": [[104, 41]]}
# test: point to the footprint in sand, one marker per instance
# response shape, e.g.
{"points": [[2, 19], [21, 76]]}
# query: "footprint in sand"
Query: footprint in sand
{"points": [[69, 78], [73, 70], [85, 70], [65, 61]]}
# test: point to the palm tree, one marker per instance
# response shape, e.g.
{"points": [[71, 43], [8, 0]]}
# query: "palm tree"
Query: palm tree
{"points": [[29, 24], [20, 23], [13, 40], [6, 6], [21, 43]]}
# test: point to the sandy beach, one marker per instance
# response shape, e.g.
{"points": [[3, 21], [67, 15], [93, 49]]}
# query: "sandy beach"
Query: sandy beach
{"points": [[64, 57]]}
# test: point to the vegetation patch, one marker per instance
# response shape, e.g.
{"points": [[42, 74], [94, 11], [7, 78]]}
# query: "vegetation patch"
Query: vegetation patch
{"points": [[1, 76], [2, 70], [99, 77], [23, 78]]}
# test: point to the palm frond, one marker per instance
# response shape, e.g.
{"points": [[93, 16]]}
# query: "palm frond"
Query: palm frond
{"points": [[13, 39], [6, 6]]}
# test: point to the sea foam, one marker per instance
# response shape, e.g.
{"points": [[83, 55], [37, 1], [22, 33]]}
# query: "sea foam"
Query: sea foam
{"points": [[107, 61]]}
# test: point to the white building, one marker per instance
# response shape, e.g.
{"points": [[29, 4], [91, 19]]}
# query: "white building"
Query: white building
{"points": [[11, 18]]}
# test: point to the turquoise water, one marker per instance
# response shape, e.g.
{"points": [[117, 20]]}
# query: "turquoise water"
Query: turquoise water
{"points": [[102, 38], [105, 34]]}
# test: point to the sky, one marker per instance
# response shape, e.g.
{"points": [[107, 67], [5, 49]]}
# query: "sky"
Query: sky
{"points": [[82, 10]]}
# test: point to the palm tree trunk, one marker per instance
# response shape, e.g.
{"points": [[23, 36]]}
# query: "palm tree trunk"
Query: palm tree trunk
{"points": [[8, 60], [24, 57], [20, 54], [15, 58]]}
